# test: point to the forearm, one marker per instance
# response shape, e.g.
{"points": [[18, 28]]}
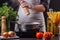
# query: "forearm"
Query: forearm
{"points": [[38, 8]]}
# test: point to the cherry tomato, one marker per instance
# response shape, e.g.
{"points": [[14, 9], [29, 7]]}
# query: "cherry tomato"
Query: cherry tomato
{"points": [[50, 34], [47, 35], [39, 35]]}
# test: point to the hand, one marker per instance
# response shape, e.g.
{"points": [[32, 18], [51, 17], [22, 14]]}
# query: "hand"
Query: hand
{"points": [[25, 4]]}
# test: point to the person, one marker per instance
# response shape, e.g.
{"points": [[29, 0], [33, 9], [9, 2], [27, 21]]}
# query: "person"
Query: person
{"points": [[35, 21]]}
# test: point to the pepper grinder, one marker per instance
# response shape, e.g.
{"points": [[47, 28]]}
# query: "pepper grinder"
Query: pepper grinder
{"points": [[3, 25]]}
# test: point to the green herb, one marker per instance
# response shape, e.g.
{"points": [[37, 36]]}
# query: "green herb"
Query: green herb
{"points": [[7, 11]]}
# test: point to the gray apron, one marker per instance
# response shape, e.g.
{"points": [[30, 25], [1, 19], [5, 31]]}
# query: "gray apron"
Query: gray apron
{"points": [[34, 17]]}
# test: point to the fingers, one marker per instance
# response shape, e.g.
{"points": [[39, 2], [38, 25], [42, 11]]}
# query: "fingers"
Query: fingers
{"points": [[24, 4]]}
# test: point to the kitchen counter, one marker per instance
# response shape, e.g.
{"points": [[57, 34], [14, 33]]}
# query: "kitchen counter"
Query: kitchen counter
{"points": [[54, 38]]}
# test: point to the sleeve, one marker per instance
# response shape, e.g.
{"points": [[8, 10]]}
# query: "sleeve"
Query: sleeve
{"points": [[45, 3]]}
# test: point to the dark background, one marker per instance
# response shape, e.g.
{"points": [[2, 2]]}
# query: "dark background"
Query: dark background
{"points": [[12, 3], [55, 5]]}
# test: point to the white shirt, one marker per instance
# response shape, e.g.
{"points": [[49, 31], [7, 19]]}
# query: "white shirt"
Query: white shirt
{"points": [[33, 17]]}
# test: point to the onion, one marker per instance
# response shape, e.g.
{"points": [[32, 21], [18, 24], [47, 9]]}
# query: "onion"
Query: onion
{"points": [[11, 34], [5, 34]]}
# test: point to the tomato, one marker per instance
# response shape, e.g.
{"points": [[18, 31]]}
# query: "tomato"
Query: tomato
{"points": [[39, 35], [51, 34], [47, 35]]}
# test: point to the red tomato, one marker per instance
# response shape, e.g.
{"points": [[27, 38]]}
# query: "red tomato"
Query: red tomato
{"points": [[39, 35], [51, 34], [47, 35]]}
